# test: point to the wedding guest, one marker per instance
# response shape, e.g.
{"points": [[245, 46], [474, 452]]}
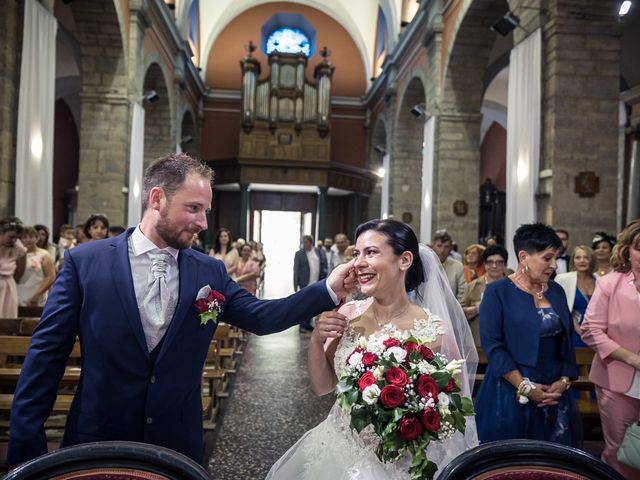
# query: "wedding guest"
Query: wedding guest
{"points": [[327, 244], [562, 260], [579, 284], [602, 246], [442, 245], [96, 227], [495, 260], [223, 250], [337, 252], [248, 270], [525, 330], [309, 266], [12, 265], [79, 236], [612, 329], [473, 265], [39, 273], [115, 230], [43, 241]]}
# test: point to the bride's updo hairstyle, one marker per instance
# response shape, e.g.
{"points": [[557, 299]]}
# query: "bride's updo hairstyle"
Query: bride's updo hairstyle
{"points": [[401, 239]]}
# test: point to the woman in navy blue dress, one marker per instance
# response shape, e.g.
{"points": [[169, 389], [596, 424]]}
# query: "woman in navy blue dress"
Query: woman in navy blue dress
{"points": [[525, 331]]}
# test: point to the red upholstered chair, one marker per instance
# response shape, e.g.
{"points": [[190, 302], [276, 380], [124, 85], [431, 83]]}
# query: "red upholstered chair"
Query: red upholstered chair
{"points": [[110, 461], [527, 460]]}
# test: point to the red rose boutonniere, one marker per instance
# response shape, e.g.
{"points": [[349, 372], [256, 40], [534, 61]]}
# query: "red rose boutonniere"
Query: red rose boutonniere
{"points": [[208, 304]]}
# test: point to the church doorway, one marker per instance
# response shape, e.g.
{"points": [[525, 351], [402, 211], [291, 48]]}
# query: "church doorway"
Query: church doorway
{"points": [[280, 232]]}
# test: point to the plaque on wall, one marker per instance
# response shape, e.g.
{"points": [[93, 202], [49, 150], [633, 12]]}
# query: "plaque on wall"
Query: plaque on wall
{"points": [[407, 217], [587, 184], [460, 208]]}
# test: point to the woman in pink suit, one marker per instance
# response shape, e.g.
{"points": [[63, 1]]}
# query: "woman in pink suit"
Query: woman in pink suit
{"points": [[612, 328]]}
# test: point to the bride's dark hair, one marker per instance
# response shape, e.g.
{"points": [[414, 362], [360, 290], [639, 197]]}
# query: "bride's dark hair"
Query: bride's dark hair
{"points": [[401, 239]]}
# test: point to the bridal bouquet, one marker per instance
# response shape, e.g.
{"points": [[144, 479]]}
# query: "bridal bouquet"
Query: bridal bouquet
{"points": [[408, 394]]}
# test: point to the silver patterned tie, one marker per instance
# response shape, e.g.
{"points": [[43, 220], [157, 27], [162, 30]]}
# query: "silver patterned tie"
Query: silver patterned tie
{"points": [[158, 296]]}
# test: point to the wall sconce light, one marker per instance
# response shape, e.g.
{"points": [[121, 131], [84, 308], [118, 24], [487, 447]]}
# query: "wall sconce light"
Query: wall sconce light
{"points": [[186, 139], [380, 149], [417, 110], [624, 8], [506, 24]]}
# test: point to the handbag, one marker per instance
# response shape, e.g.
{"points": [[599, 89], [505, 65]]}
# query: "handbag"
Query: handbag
{"points": [[629, 450]]}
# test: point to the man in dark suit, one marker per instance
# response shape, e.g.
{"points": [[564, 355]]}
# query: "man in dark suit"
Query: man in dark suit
{"points": [[131, 301], [309, 266]]}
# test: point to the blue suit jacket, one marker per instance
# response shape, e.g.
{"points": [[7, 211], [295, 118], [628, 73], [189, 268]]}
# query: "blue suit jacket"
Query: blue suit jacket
{"points": [[510, 328], [122, 395]]}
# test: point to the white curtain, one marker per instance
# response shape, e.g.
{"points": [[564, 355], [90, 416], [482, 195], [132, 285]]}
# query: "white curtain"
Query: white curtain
{"points": [[34, 144], [136, 165], [427, 180], [384, 195], [523, 136]]}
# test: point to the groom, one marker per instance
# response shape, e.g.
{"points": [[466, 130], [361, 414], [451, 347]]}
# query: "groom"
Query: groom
{"points": [[131, 301]]}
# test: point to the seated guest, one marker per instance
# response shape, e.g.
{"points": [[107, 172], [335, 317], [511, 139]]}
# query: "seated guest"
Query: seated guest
{"points": [[248, 270], [39, 273], [525, 330], [96, 227], [495, 259], [612, 328], [473, 262], [579, 284]]}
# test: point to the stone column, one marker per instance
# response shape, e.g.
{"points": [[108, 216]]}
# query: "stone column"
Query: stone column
{"points": [[11, 22], [105, 112], [321, 217], [633, 205], [356, 213], [581, 86]]}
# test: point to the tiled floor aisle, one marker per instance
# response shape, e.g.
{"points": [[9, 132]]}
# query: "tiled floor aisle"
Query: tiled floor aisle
{"points": [[270, 407]]}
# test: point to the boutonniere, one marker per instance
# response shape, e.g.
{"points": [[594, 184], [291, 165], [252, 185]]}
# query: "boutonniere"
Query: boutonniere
{"points": [[208, 304]]}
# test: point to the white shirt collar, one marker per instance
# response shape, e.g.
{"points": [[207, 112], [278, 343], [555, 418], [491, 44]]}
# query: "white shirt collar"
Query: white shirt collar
{"points": [[141, 244]]}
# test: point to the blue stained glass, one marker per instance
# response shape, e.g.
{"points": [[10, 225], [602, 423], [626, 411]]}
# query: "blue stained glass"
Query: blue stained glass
{"points": [[288, 40]]}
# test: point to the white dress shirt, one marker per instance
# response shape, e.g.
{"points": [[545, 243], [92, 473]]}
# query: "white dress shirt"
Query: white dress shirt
{"points": [[314, 266], [139, 249]]}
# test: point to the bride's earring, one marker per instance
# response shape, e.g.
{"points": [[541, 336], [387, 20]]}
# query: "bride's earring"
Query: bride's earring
{"points": [[526, 268]]}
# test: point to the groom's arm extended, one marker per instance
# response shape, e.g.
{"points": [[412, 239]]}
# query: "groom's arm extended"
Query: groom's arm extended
{"points": [[43, 367], [269, 316]]}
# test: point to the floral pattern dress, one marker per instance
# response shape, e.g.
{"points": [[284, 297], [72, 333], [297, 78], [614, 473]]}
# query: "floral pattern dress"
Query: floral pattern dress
{"points": [[332, 450]]}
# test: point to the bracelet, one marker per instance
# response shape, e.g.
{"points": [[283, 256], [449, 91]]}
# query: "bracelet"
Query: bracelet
{"points": [[523, 390], [567, 382]]}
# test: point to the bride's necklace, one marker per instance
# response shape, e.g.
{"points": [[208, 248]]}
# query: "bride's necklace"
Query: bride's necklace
{"points": [[539, 295], [395, 315]]}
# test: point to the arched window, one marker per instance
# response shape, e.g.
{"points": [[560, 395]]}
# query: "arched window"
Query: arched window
{"points": [[288, 40]]}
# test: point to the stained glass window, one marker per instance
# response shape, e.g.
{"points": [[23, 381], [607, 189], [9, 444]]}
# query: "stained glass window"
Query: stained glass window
{"points": [[288, 40]]}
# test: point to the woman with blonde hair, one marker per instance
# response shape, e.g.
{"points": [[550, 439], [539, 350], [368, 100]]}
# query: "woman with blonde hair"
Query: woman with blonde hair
{"points": [[473, 262], [578, 284], [612, 329]]}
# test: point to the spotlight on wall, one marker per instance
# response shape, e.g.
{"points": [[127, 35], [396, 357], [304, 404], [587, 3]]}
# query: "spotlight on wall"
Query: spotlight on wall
{"points": [[417, 110], [151, 96], [624, 8], [506, 24], [380, 149], [186, 139]]}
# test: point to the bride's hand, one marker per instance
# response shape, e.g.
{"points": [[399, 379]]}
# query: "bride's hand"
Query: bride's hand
{"points": [[329, 325]]}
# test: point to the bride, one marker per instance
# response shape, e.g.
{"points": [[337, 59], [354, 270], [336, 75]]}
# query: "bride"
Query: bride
{"points": [[409, 292]]}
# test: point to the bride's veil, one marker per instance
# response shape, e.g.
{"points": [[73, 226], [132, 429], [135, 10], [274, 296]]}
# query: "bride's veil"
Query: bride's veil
{"points": [[435, 295]]}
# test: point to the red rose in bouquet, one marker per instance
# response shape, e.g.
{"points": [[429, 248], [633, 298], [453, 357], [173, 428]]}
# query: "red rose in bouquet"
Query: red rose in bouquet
{"points": [[409, 428], [431, 419], [214, 295], [452, 386], [391, 342], [369, 358], [365, 380], [392, 396], [427, 387], [410, 347], [396, 376], [202, 305], [426, 352]]}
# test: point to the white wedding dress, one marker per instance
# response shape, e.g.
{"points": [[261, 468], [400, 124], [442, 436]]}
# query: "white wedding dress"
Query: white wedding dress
{"points": [[332, 450]]}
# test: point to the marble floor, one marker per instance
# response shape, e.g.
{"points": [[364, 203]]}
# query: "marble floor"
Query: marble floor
{"points": [[270, 406]]}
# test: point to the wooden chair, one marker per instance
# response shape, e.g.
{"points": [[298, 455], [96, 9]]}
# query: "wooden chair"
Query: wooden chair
{"points": [[111, 460], [527, 460]]}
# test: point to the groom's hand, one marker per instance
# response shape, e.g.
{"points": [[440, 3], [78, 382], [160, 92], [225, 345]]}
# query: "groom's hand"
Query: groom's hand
{"points": [[342, 280]]}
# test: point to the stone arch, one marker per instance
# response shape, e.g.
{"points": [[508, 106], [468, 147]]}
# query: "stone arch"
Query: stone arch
{"points": [[104, 108], [158, 141], [378, 142], [473, 47], [406, 155]]}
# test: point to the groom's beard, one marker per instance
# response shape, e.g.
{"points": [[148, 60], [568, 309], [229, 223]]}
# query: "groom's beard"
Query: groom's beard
{"points": [[171, 234]]}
